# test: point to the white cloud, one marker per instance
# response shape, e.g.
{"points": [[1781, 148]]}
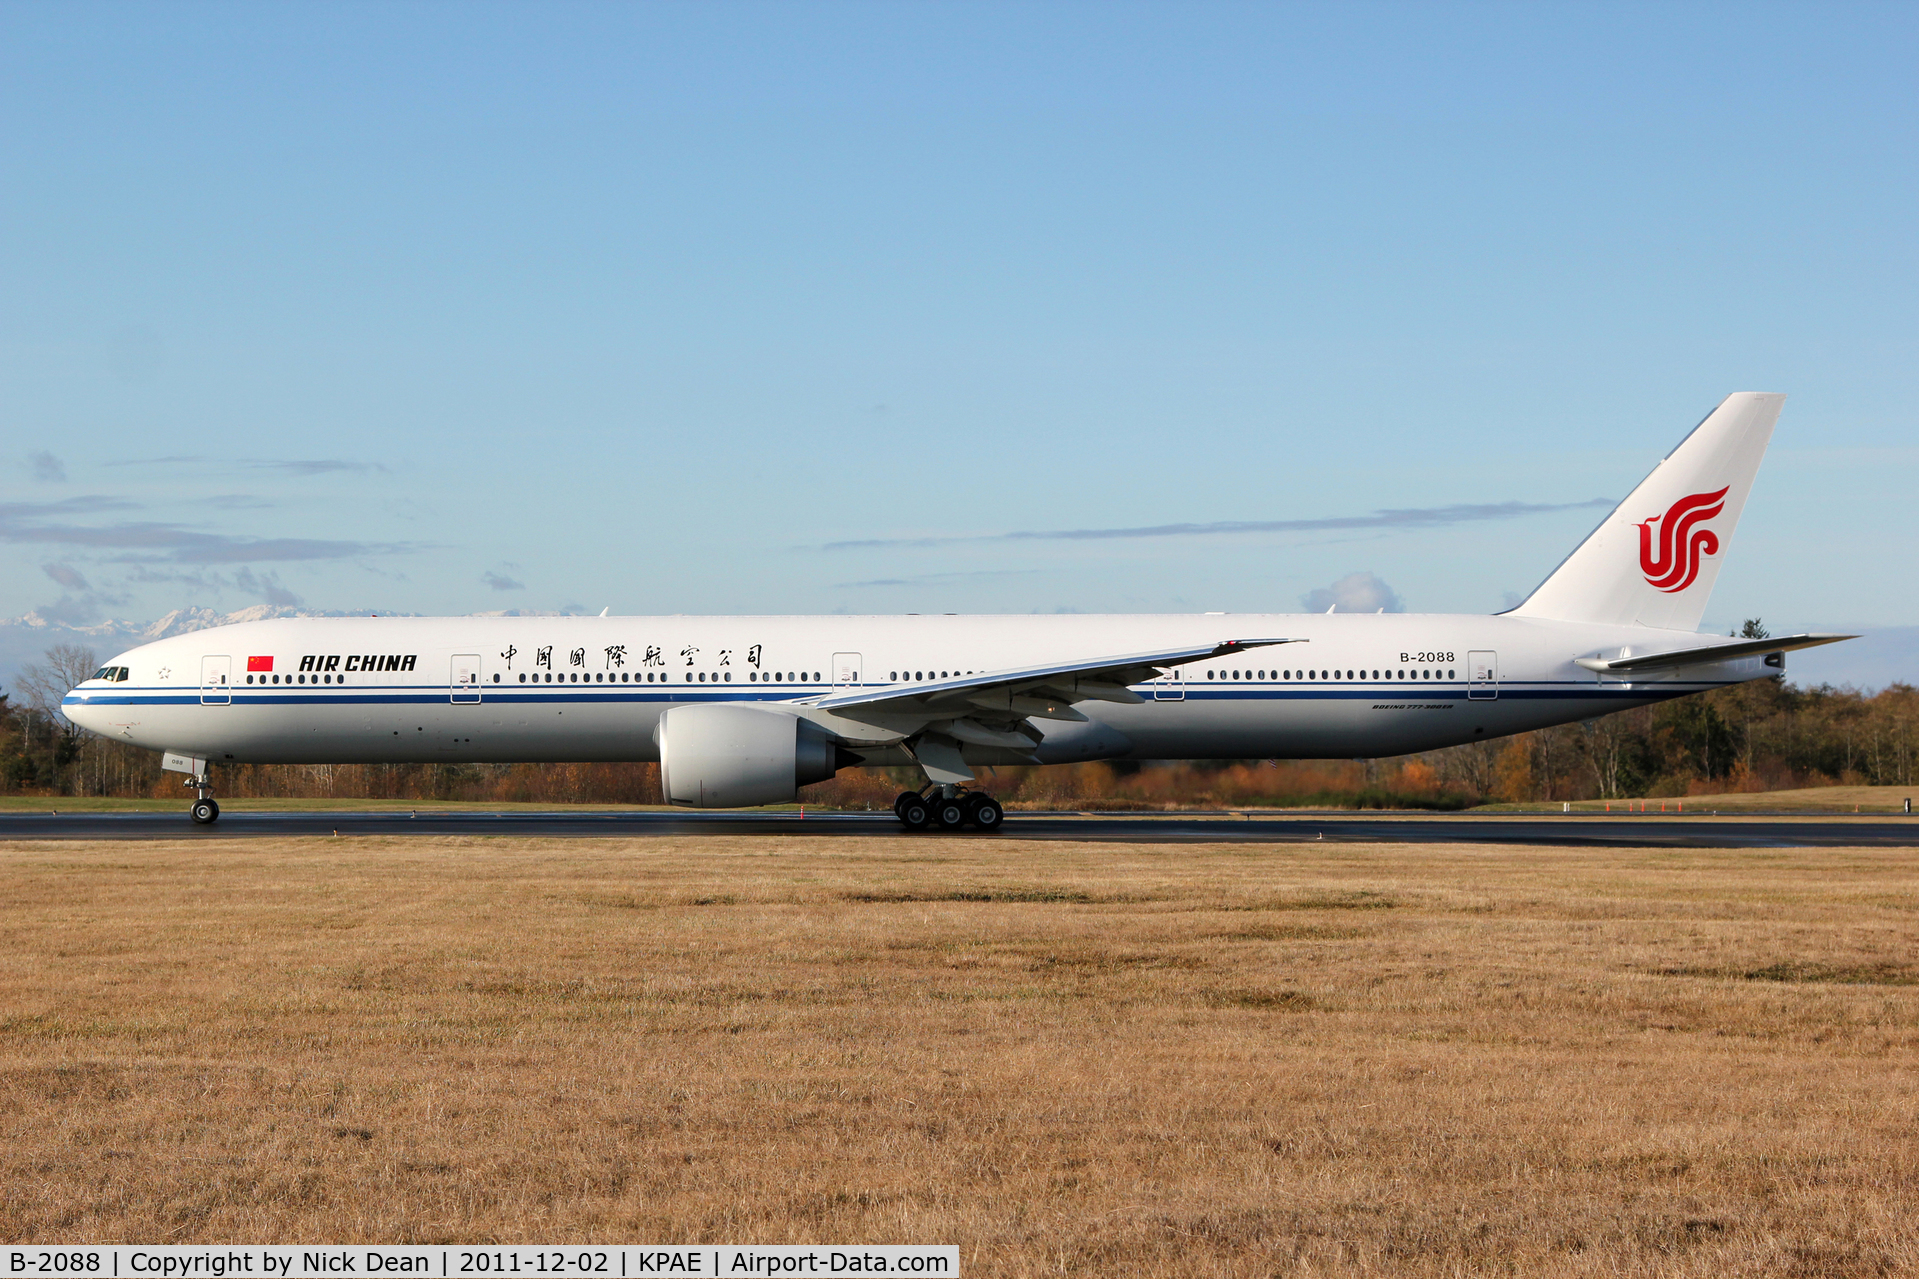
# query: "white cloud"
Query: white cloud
{"points": [[267, 585], [1354, 593]]}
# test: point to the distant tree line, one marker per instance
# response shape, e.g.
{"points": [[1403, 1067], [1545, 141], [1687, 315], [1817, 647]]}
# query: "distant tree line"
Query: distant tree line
{"points": [[1764, 735]]}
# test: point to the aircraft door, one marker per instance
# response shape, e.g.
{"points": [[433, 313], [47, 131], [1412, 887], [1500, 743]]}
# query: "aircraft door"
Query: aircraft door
{"points": [[463, 684], [1482, 674], [846, 670], [215, 672], [1170, 686]]}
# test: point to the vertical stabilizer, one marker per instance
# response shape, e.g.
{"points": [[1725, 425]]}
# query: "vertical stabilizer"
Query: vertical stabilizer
{"points": [[1652, 562]]}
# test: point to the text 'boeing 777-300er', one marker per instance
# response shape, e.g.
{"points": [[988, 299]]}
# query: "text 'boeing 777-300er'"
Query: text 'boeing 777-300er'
{"points": [[745, 710]]}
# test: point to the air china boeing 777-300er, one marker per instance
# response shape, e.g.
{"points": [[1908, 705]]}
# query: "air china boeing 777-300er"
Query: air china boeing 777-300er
{"points": [[745, 710]]}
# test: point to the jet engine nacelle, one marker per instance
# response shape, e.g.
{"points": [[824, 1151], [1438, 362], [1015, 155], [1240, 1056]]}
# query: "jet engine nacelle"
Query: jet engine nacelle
{"points": [[731, 756]]}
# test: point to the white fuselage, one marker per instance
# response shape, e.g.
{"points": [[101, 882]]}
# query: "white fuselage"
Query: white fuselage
{"points": [[522, 689]]}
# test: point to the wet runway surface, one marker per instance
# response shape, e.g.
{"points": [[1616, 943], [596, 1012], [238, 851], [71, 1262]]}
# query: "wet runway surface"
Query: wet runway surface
{"points": [[1621, 830]]}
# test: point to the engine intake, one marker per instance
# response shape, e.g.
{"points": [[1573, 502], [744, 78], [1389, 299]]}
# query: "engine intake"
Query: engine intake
{"points": [[734, 756]]}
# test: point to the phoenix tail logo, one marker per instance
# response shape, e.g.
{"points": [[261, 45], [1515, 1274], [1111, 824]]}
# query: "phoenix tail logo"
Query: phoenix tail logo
{"points": [[1670, 558]]}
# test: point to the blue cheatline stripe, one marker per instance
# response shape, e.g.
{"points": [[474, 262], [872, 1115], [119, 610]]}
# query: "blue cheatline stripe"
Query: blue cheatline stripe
{"points": [[1544, 690]]}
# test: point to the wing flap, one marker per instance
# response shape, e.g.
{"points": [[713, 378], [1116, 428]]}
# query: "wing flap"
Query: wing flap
{"points": [[1053, 685]]}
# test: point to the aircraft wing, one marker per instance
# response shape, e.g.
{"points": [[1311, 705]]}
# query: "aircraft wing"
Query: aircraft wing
{"points": [[1708, 653], [1039, 692]]}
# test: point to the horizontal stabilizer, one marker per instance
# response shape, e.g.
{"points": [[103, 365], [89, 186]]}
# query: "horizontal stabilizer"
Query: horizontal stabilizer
{"points": [[1709, 653]]}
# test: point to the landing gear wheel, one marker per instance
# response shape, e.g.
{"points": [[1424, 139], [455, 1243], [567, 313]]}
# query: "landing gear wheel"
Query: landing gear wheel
{"points": [[899, 803], [987, 813], [914, 814], [950, 813], [205, 812]]}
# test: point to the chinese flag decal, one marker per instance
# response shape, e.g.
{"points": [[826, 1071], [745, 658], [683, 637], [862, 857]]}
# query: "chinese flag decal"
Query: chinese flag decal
{"points": [[259, 663]]}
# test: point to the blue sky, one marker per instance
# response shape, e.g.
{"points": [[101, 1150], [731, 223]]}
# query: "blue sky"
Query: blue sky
{"points": [[768, 308]]}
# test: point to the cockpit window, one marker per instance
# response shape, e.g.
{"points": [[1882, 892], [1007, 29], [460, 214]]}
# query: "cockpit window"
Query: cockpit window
{"points": [[114, 674]]}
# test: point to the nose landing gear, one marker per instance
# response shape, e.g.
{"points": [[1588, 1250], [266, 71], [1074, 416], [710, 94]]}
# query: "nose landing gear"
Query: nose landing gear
{"points": [[204, 811], [949, 808]]}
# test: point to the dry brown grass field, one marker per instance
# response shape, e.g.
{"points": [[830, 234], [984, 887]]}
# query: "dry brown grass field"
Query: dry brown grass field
{"points": [[1067, 1059]]}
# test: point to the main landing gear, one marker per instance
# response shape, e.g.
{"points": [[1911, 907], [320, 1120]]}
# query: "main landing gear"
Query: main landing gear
{"points": [[204, 811], [948, 808]]}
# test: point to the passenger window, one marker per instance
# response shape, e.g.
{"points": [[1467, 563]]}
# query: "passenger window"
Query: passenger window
{"points": [[728, 677]]}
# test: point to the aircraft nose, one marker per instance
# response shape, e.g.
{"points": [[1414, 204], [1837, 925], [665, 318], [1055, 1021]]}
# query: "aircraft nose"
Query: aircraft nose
{"points": [[78, 707]]}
